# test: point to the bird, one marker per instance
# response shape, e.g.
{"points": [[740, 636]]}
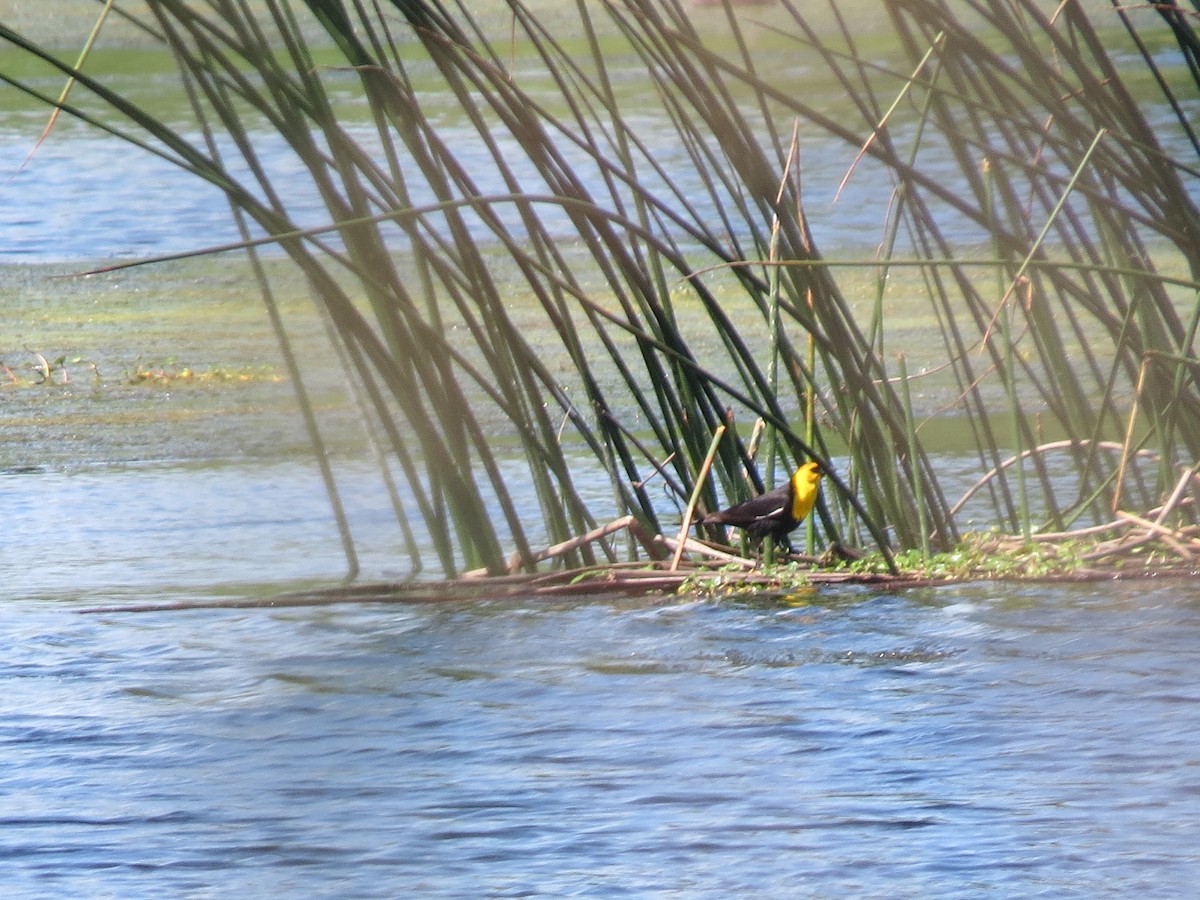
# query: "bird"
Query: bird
{"points": [[776, 513]]}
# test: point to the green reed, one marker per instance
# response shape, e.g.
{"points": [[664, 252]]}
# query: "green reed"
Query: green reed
{"points": [[635, 272]]}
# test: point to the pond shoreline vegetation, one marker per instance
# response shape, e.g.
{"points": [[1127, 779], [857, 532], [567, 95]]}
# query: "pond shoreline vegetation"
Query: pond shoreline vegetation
{"points": [[1078, 318]]}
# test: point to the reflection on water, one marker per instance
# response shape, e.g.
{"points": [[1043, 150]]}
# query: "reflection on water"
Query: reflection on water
{"points": [[983, 739]]}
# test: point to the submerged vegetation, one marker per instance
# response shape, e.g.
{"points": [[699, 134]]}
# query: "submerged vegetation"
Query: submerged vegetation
{"points": [[1033, 198], [171, 372], [44, 372]]}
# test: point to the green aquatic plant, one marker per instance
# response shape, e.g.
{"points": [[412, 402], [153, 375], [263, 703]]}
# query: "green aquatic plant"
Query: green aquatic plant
{"points": [[985, 556], [172, 373], [731, 582], [45, 372]]}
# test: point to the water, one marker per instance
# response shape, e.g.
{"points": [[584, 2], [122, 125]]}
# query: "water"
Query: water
{"points": [[78, 198], [988, 738], [102, 208], [1000, 739]]}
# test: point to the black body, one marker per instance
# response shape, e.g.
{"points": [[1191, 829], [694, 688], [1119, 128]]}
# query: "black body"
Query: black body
{"points": [[767, 515]]}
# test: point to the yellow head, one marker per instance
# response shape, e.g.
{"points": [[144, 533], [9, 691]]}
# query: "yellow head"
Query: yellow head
{"points": [[806, 481]]}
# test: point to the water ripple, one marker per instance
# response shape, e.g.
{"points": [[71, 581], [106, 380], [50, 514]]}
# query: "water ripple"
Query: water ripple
{"points": [[978, 739]]}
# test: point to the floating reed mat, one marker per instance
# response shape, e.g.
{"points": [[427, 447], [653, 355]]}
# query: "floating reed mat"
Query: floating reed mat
{"points": [[600, 582], [1131, 546]]}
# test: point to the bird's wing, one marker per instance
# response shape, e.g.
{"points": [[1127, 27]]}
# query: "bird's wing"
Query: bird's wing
{"points": [[774, 513]]}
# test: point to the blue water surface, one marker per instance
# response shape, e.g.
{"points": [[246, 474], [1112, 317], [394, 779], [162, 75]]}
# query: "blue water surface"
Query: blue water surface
{"points": [[983, 739]]}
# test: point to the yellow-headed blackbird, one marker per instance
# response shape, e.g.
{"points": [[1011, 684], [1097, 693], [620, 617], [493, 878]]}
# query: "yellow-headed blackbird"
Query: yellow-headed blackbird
{"points": [[775, 513]]}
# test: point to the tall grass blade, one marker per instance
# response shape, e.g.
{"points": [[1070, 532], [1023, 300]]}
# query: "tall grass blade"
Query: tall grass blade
{"points": [[520, 275]]}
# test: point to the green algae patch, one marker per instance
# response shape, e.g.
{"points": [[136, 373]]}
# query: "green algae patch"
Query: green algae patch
{"points": [[175, 361]]}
